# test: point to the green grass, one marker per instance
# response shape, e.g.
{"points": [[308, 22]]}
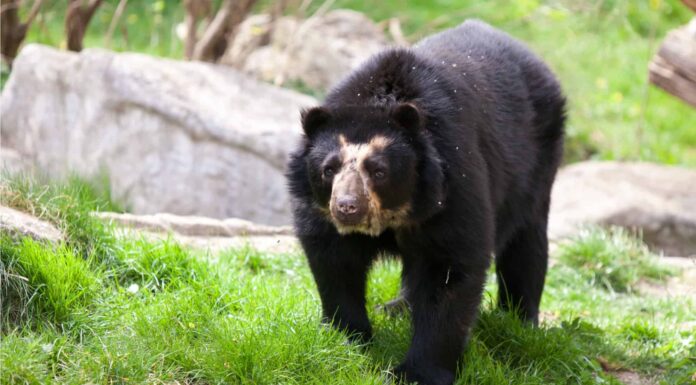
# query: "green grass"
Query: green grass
{"points": [[155, 312], [43, 282], [67, 204], [613, 259], [599, 48]]}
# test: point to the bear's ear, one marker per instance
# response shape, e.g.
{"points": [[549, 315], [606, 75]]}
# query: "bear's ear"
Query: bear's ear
{"points": [[313, 119], [408, 116]]}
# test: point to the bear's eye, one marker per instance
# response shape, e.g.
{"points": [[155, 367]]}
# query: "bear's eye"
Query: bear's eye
{"points": [[378, 174], [329, 172]]}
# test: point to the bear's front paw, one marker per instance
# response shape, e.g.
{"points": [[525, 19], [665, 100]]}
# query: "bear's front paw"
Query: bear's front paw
{"points": [[360, 337], [423, 375], [354, 335]]}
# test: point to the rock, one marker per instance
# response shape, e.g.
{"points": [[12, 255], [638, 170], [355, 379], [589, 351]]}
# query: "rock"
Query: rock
{"points": [[276, 244], [192, 226], [204, 233], [659, 201], [18, 224], [316, 52], [187, 138], [13, 162]]}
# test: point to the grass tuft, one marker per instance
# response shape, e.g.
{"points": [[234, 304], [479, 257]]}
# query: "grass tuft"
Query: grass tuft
{"points": [[42, 282], [155, 266], [612, 259], [67, 204]]}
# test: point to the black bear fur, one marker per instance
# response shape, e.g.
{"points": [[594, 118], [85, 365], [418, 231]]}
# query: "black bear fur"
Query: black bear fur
{"points": [[477, 121]]}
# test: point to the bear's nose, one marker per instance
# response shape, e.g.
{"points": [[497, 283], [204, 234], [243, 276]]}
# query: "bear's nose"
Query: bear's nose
{"points": [[349, 209], [347, 204]]}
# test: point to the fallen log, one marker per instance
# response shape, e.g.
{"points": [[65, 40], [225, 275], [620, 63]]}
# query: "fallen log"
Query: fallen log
{"points": [[674, 66]]}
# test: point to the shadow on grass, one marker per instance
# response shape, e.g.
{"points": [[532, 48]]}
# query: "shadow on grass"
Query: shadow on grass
{"points": [[503, 350]]}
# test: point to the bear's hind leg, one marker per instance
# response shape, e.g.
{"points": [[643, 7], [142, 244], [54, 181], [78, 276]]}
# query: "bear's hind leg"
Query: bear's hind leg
{"points": [[521, 271]]}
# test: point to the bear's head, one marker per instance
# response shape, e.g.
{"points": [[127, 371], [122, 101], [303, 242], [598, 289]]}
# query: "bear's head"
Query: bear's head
{"points": [[366, 166]]}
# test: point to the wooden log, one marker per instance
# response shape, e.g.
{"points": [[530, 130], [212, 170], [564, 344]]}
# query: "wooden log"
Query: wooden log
{"points": [[690, 3], [674, 66]]}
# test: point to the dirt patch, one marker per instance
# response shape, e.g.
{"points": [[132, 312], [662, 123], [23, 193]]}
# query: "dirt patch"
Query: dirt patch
{"points": [[631, 378]]}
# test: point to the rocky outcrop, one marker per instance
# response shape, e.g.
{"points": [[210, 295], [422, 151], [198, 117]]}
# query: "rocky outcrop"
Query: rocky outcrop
{"points": [[204, 233], [179, 137], [18, 224], [316, 52], [659, 201], [192, 225]]}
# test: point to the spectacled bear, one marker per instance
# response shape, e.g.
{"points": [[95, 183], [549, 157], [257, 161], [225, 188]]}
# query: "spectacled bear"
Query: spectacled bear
{"points": [[443, 155]]}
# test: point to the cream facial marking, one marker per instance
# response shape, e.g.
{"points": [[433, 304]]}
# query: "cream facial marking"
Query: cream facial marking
{"points": [[354, 180]]}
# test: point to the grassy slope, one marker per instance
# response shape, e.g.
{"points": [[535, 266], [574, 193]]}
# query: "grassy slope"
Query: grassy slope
{"points": [[133, 311], [599, 48]]}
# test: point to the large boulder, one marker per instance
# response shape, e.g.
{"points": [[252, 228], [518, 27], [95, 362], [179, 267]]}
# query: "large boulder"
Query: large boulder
{"points": [[180, 137], [316, 52], [659, 201]]}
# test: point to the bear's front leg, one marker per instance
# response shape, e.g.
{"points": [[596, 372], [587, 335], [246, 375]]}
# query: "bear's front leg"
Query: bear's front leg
{"points": [[444, 292], [339, 265]]}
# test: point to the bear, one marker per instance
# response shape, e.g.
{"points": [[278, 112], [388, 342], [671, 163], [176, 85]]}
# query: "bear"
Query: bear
{"points": [[442, 155]]}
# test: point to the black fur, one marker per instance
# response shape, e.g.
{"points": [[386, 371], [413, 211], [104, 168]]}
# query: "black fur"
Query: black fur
{"points": [[486, 153]]}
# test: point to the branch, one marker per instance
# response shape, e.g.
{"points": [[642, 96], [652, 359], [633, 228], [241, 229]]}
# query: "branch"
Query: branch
{"points": [[195, 10], [33, 12], [690, 3], [114, 21], [215, 31], [89, 11]]}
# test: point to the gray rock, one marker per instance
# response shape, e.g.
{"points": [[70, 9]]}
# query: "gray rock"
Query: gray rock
{"points": [[192, 225], [179, 137], [213, 235], [317, 52], [18, 224], [13, 162], [659, 201]]}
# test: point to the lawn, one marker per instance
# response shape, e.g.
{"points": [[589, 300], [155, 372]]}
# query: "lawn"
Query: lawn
{"points": [[100, 308], [600, 49]]}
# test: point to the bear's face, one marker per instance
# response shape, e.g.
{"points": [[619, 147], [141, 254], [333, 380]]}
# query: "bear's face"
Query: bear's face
{"points": [[362, 168]]}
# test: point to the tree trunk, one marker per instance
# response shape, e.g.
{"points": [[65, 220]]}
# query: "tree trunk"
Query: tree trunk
{"points": [[12, 30], [196, 10], [221, 30], [76, 21]]}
